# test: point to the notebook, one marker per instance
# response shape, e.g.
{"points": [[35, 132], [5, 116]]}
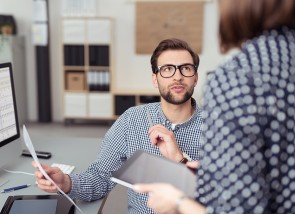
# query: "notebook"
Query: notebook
{"points": [[143, 167]]}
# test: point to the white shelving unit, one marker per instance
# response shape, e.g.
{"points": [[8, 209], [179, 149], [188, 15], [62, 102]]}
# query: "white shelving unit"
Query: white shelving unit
{"points": [[87, 70]]}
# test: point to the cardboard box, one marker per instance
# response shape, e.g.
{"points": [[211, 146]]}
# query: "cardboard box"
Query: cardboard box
{"points": [[75, 81]]}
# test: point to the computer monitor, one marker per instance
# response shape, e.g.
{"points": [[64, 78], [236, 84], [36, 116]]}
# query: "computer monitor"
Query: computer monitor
{"points": [[10, 144]]}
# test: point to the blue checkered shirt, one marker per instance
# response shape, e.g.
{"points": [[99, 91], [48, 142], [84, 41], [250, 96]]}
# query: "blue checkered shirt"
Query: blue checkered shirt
{"points": [[128, 134]]}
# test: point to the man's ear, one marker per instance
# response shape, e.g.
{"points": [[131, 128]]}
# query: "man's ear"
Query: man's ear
{"points": [[196, 80], [155, 80]]}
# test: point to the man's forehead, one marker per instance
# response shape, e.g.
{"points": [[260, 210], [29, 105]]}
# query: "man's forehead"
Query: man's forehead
{"points": [[175, 57]]}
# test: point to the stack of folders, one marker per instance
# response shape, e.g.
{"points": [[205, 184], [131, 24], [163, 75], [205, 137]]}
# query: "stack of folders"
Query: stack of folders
{"points": [[74, 55], [98, 80], [99, 55]]}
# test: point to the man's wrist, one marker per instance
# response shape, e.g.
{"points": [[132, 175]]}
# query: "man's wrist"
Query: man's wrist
{"points": [[68, 184], [184, 160]]}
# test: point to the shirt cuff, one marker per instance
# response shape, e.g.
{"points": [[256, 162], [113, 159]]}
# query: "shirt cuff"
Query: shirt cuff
{"points": [[75, 186], [187, 156]]}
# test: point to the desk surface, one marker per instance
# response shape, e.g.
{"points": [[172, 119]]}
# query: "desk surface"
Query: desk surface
{"points": [[79, 152]]}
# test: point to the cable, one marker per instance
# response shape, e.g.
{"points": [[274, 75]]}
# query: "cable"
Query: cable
{"points": [[17, 172]]}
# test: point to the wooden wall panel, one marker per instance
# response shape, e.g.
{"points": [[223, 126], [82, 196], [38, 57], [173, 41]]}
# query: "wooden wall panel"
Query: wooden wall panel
{"points": [[156, 21]]}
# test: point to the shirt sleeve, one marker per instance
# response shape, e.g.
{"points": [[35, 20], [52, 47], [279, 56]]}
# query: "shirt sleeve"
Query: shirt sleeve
{"points": [[94, 183]]}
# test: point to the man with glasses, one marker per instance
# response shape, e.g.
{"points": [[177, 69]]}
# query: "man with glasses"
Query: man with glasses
{"points": [[170, 128]]}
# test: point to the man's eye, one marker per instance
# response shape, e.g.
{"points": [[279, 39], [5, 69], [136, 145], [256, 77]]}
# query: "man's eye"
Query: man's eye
{"points": [[185, 68], [167, 68]]}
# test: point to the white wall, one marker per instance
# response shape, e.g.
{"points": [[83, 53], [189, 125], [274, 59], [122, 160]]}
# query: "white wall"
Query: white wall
{"points": [[22, 12], [132, 71]]}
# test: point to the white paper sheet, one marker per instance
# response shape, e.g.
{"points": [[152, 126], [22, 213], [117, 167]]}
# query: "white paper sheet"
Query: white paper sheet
{"points": [[30, 147], [40, 34], [39, 11]]}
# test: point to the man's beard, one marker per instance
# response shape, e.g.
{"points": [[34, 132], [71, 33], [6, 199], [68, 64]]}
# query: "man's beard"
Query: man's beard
{"points": [[168, 96]]}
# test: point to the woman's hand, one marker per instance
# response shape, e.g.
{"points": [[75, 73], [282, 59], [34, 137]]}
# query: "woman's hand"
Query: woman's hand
{"points": [[162, 197]]}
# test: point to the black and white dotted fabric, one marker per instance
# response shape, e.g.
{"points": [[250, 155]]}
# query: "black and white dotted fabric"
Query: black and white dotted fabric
{"points": [[249, 129], [127, 135]]}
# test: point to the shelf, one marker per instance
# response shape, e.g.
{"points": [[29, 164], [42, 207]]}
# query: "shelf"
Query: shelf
{"points": [[89, 93], [87, 44], [127, 100]]}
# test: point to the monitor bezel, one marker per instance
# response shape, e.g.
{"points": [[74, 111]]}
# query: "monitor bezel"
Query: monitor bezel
{"points": [[17, 135]]}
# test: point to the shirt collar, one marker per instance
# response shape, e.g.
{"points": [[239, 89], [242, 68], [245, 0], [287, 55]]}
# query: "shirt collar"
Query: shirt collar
{"points": [[165, 122]]}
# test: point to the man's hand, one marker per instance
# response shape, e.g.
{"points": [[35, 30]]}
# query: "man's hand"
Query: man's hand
{"points": [[62, 180], [166, 141]]}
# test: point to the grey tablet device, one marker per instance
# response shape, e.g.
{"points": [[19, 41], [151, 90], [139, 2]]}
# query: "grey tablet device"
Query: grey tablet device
{"points": [[35, 204], [143, 167]]}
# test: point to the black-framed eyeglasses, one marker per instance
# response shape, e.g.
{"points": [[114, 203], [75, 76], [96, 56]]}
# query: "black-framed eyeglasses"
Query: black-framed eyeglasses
{"points": [[186, 70]]}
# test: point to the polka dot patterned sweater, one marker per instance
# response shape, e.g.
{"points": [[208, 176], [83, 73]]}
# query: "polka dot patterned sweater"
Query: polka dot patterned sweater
{"points": [[248, 164]]}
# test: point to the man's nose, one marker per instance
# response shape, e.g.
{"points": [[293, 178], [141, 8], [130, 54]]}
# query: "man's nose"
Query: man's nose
{"points": [[178, 74]]}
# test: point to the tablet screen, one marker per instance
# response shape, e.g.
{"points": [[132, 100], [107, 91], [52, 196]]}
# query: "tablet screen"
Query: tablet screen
{"points": [[44, 206]]}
